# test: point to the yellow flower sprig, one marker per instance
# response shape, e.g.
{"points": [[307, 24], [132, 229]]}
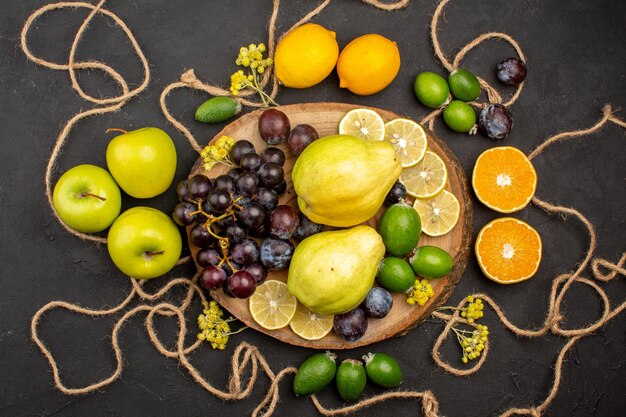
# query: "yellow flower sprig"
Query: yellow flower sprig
{"points": [[213, 328], [218, 152], [472, 342], [420, 293], [251, 58]]}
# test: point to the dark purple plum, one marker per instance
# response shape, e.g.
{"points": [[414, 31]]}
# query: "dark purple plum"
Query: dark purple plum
{"points": [[273, 154], [274, 126], [306, 228], [239, 149], [511, 71], [241, 284], [300, 137], [283, 222], [276, 253], [350, 326], [212, 277], [394, 195], [378, 303], [495, 121]]}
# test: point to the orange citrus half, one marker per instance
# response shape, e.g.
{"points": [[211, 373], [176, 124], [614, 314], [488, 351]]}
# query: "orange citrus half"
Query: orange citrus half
{"points": [[508, 250], [504, 179]]}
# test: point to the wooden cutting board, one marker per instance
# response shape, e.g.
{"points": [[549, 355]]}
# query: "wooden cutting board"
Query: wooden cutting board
{"points": [[325, 118]]}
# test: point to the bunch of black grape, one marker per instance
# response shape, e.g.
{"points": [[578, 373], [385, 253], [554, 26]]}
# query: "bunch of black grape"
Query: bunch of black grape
{"points": [[230, 211]]}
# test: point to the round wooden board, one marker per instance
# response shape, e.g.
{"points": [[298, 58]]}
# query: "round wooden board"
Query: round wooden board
{"points": [[325, 118]]}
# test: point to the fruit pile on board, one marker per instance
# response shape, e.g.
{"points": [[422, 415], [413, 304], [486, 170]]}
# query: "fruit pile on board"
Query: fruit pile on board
{"points": [[341, 273]]}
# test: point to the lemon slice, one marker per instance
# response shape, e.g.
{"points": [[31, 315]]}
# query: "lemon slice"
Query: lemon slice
{"points": [[364, 124], [408, 139], [438, 214], [310, 325], [272, 306], [426, 178]]}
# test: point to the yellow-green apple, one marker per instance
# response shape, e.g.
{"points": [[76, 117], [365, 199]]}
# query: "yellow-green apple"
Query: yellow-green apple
{"points": [[87, 198], [144, 242], [143, 162]]}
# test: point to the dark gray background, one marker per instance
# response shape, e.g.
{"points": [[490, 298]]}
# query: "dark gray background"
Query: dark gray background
{"points": [[576, 60]]}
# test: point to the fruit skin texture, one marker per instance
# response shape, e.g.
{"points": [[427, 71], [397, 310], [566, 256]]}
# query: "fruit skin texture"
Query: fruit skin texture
{"points": [[87, 214], [332, 272], [383, 370], [217, 109], [144, 242], [431, 262], [315, 374], [143, 162], [395, 274], [459, 116], [400, 228], [368, 64], [350, 379], [431, 89], [512, 71], [342, 181], [350, 326], [464, 85], [305, 56], [495, 121]]}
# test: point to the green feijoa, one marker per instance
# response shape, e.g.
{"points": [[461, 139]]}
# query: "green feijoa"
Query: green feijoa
{"points": [[217, 109], [395, 274], [431, 89], [459, 116], [350, 379], [431, 262], [315, 373], [464, 85], [383, 370], [400, 227]]}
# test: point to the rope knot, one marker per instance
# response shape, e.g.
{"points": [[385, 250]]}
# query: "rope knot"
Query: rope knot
{"points": [[430, 404], [189, 78]]}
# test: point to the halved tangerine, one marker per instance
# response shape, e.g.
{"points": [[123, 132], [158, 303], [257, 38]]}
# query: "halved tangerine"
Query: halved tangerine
{"points": [[504, 179], [508, 250]]}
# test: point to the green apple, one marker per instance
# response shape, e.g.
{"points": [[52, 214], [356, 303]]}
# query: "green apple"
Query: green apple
{"points": [[143, 162], [87, 198], [144, 242]]}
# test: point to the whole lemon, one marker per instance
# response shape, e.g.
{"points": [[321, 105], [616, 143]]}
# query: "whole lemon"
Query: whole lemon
{"points": [[368, 64], [305, 56]]}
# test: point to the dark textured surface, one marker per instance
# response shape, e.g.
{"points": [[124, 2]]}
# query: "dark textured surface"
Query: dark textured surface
{"points": [[576, 61]]}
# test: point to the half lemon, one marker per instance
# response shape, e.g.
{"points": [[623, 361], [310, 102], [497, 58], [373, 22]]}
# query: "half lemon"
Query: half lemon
{"points": [[364, 124], [408, 139], [272, 306]]}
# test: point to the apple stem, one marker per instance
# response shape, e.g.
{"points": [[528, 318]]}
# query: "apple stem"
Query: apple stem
{"points": [[83, 195], [151, 253], [116, 129]]}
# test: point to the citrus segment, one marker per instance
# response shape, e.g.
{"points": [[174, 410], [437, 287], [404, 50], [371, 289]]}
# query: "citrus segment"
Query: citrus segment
{"points": [[426, 178], [309, 325], [508, 250], [272, 306], [408, 139], [364, 124], [504, 179], [439, 214]]}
